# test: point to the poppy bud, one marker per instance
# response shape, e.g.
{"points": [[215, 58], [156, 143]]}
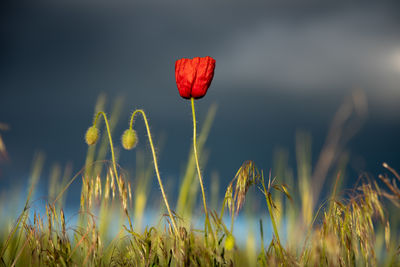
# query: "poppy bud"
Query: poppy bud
{"points": [[194, 76], [92, 135], [129, 139]]}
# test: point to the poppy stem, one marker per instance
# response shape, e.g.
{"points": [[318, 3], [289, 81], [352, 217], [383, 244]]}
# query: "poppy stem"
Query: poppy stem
{"points": [[109, 138], [197, 164], [112, 153], [155, 164]]}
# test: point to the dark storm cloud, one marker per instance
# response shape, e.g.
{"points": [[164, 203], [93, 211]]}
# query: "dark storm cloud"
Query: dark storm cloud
{"points": [[281, 65], [288, 45], [313, 52]]}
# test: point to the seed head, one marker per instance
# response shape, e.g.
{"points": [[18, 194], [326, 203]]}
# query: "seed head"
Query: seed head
{"points": [[129, 139], [92, 135]]}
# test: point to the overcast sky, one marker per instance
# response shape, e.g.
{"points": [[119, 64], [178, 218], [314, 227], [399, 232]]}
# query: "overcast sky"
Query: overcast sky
{"points": [[280, 66]]}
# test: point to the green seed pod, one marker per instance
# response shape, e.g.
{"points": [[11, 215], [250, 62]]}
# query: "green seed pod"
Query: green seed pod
{"points": [[92, 135], [129, 139]]}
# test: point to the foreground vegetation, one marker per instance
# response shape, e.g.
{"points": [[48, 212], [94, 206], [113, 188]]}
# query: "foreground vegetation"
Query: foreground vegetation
{"points": [[357, 227]]}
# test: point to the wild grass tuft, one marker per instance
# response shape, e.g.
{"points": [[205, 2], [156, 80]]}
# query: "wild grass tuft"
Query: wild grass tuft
{"points": [[357, 227]]}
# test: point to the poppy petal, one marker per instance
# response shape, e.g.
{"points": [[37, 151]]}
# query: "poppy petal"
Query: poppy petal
{"points": [[193, 76]]}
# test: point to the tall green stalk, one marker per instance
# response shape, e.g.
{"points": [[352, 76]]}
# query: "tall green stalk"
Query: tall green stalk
{"points": [[101, 113], [155, 164], [207, 224]]}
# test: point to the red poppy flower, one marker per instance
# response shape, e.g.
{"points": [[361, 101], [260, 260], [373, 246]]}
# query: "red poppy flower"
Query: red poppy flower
{"points": [[194, 76]]}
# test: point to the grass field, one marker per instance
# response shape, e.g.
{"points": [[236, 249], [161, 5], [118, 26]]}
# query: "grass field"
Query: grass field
{"points": [[358, 226]]}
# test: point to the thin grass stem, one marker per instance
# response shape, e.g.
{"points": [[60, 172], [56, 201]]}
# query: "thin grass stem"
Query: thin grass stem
{"points": [[269, 204]]}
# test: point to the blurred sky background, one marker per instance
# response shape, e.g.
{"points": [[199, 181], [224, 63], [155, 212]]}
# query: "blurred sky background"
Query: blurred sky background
{"points": [[281, 66]]}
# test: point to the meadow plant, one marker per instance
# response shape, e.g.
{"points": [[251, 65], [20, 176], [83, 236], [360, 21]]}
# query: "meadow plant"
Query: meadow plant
{"points": [[349, 228], [129, 137], [91, 138], [193, 78]]}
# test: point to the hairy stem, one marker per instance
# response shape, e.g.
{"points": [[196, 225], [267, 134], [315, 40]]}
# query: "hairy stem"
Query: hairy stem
{"points": [[112, 153], [109, 139], [155, 164], [198, 167]]}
